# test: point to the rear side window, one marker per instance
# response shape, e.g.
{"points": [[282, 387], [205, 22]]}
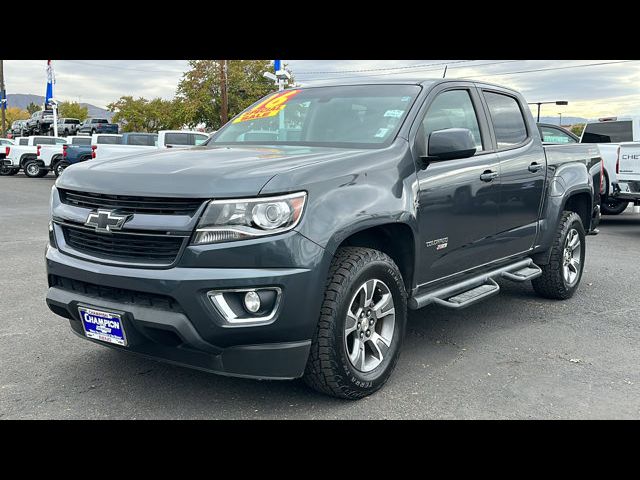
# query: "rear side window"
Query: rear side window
{"points": [[178, 139], [105, 140], [81, 140], [452, 109], [555, 135], [608, 132], [507, 118], [146, 140]]}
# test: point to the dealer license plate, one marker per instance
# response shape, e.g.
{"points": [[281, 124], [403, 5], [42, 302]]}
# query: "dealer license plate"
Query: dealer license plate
{"points": [[101, 325]]}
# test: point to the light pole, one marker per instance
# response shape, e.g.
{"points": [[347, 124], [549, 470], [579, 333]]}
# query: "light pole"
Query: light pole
{"points": [[557, 102]]}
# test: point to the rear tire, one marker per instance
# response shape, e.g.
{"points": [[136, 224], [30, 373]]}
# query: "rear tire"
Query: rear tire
{"points": [[59, 168], [561, 276], [364, 302], [33, 170], [611, 206]]}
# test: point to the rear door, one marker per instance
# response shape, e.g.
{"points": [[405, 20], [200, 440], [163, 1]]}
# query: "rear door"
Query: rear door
{"points": [[522, 170], [457, 210]]}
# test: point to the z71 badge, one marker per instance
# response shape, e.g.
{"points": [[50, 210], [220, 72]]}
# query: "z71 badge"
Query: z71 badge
{"points": [[440, 243]]}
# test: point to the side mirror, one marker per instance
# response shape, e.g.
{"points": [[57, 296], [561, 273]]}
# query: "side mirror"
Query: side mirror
{"points": [[450, 144]]}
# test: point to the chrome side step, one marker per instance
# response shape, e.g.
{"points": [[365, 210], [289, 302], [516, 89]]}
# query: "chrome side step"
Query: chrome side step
{"points": [[524, 274], [475, 289]]}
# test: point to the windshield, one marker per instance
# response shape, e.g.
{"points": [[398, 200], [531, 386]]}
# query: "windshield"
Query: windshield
{"points": [[364, 116]]}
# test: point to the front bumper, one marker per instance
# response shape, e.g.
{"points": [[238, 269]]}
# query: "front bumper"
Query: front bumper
{"points": [[167, 315]]}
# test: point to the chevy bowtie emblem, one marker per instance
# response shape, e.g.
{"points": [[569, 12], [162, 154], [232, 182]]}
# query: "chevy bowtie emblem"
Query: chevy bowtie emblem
{"points": [[107, 220]]}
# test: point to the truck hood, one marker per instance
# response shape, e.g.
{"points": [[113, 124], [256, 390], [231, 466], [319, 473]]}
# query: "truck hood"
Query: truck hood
{"points": [[199, 172]]}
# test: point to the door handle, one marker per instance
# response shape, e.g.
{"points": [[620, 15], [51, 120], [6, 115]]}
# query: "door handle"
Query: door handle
{"points": [[534, 167], [489, 175]]}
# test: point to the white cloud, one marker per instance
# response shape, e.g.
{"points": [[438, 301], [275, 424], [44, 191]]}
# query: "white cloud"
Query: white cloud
{"points": [[591, 91]]}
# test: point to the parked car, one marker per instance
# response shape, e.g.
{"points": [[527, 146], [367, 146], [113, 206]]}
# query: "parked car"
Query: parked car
{"points": [[97, 125], [51, 157], [133, 143], [68, 126], [555, 134], [79, 153], [19, 128], [18, 155], [6, 141], [616, 136], [40, 122], [300, 257]]}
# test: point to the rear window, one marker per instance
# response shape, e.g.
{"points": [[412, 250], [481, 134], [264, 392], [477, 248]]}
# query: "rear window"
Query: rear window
{"points": [[71, 121], [99, 120], [508, 121], [47, 112], [178, 139], [608, 132], [23, 141], [105, 140], [146, 140], [81, 140], [44, 141]]}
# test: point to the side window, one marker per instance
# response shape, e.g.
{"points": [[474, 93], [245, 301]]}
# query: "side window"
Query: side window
{"points": [[452, 109], [200, 139], [507, 118], [555, 135]]}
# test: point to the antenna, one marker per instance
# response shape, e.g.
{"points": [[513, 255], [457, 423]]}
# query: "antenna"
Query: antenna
{"points": [[445, 71]]}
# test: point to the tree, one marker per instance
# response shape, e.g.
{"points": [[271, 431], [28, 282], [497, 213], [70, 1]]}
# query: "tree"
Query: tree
{"points": [[15, 113], [72, 110], [198, 92], [142, 115], [577, 128], [33, 108]]}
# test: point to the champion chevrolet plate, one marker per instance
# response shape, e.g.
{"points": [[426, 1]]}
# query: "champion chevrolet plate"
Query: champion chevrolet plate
{"points": [[104, 326]]}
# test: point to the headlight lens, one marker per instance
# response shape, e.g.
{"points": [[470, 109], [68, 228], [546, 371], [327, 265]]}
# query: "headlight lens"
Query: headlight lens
{"points": [[239, 219]]}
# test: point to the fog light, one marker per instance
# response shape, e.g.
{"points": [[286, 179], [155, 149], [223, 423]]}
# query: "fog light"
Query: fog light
{"points": [[252, 301]]}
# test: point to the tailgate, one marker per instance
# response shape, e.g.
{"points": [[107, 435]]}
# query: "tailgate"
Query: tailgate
{"points": [[629, 162]]}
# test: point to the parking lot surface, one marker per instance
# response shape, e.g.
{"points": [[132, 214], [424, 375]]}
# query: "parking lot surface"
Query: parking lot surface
{"points": [[513, 356]]}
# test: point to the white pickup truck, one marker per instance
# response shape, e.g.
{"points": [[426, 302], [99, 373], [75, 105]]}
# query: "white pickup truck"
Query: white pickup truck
{"points": [[133, 143], [17, 156], [49, 157], [618, 139]]}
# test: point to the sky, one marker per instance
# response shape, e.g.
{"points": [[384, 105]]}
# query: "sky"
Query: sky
{"points": [[593, 88]]}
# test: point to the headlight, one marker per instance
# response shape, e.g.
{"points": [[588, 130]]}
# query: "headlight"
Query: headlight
{"points": [[239, 219]]}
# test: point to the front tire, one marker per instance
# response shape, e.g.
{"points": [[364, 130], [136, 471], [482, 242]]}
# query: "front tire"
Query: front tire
{"points": [[362, 322], [561, 276]]}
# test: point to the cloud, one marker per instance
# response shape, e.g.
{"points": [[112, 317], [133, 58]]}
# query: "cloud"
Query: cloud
{"points": [[591, 91]]}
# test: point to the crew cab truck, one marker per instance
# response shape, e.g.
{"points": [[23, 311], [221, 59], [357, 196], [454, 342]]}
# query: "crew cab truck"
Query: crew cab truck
{"points": [[86, 150], [618, 139], [20, 154], [68, 126], [298, 256], [51, 157], [40, 122], [97, 125], [133, 143]]}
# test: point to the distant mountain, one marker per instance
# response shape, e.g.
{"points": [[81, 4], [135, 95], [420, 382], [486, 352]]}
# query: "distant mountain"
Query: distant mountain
{"points": [[21, 100], [565, 120]]}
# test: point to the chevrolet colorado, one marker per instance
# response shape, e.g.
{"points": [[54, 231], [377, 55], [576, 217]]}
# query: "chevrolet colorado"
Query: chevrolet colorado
{"points": [[292, 243]]}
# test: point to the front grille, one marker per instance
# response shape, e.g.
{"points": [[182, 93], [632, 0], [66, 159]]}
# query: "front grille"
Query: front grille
{"points": [[131, 204], [120, 295], [148, 249]]}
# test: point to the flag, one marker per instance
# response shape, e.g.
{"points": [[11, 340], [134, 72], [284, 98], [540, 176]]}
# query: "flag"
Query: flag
{"points": [[3, 100], [51, 79]]}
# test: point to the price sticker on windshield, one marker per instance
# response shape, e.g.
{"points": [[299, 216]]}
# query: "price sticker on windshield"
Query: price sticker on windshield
{"points": [[268, 108]]}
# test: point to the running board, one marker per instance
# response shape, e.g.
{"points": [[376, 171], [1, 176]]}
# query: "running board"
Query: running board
{"points": [[475, 289]]}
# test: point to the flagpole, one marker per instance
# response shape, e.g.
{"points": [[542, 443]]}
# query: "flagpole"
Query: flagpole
{"points": [[50, 97]]}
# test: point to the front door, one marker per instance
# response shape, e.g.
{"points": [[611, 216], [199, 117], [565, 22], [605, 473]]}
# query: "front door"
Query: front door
{"points": [[457, 210]]}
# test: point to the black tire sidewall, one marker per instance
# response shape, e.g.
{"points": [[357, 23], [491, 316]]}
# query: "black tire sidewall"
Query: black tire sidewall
{"points": [[371, 381]]}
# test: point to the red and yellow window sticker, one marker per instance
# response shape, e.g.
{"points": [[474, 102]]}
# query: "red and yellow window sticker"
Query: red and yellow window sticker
{"points": [[270, 107]]}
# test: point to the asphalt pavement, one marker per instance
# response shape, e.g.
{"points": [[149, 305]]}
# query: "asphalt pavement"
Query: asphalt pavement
{"points": [[515, 356]]}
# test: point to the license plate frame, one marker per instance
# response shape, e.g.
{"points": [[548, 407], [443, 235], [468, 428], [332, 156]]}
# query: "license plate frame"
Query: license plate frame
{"points": [[103, 325]]}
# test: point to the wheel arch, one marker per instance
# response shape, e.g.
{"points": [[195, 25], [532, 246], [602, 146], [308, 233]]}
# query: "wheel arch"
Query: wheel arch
{"points": [[397, 240]]}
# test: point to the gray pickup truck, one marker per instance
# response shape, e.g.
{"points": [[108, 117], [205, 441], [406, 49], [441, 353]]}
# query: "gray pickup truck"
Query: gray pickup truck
{"points": [[293, 242], [68, 126]]}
